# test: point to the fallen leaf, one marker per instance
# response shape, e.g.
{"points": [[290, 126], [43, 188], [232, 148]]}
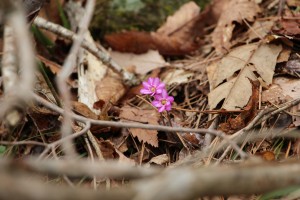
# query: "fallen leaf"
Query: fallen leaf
{"points": [[260, 29], [159, 160], [267, 155], [130, 41], [177, 76], [234, 11], [91, 72], [289, 24], [83, 110], [110, 89], [45, 120], [247, 114], [185, 14], [178, 36], [294, 3], [54, 67], [284, 55], [244, 60], [283, 90], [141, 116], [109, 151], [142, 63]]}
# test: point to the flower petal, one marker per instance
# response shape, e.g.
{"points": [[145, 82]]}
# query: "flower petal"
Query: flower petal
{"points": [[157, 104], [168, 107], [145, 91], [170, 99], [159, 91], [156, 82], [161, 109], [158, 97], [146, 84], [164, 93], [161, 86], [150, 81]]}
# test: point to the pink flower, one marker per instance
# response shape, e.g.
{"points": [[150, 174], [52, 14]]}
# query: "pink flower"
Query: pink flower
{"points": [[163, 101], [153, 86]]}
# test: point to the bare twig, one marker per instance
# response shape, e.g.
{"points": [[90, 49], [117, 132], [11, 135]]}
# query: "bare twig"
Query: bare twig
{"points": [[128, 77], [66, 71], [183, 183], [142, 126], [18, 56]]}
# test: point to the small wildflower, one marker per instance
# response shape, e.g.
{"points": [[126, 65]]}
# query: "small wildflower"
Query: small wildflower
{"points": [[163, 101], [153, 86]]}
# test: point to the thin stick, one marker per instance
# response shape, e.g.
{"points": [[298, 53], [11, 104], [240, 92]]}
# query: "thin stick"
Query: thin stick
{"points": [[142, 126], [67, 69], [129, 78]]}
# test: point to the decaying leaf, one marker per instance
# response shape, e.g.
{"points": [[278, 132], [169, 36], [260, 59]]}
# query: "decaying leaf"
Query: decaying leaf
{"points": [[177, 76], [130, 41], [260, 29], [283, 90], [83, 110], [110, 89], [142, 63], [234, 124], [289, 24], [294, 3], [110, 152], [234, 11], [142, 116], [245, 61], [54, 67], [91, 71], [160, 160], [178, 36]]}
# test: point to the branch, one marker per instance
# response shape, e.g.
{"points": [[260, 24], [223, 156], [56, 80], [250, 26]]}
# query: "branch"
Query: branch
{"points": [[142, 126], [129, 78]]}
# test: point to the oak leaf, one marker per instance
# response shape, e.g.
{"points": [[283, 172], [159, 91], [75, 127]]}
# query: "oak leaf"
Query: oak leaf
{"points": [[234, 11], [142, 116], [240, 65]]}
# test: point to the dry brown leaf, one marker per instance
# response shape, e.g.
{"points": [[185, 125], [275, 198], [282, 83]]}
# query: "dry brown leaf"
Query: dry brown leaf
{"points": [[160, 160], [178, 36], [294, 3], [51, 13], [54, 67], [244, 60], [110, 89], [177, 76], [181, 17], [267, 155], [109, 151], [260, 29], [234, 11], [91, 72], [284, 55], [83, 110], [142, 63], [143, 116], [290, 24], [247, 114], [283, 90], [130, 41], [43, 119]]}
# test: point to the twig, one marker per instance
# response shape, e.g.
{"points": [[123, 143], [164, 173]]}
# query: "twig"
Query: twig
{"points": [[142, 126], [62, 140], [262, 116], [64, 74], [129, 78], [17, 43]]}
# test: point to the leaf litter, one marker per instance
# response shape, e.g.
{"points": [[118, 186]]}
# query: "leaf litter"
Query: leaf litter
{"points": [[223, 65]]}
